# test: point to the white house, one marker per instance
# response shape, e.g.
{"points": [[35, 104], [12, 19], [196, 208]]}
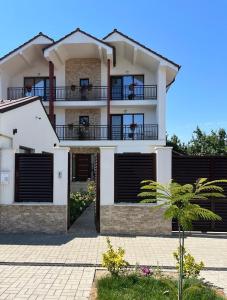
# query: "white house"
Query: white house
{"points": [[30, 162], [105, 97]]}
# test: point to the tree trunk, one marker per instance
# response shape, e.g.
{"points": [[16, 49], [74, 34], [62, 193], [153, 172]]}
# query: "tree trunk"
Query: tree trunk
{"points": [[180, 280]]}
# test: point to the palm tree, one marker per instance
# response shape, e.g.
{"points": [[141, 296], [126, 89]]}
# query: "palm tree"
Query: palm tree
{"points": [[177, 198]]}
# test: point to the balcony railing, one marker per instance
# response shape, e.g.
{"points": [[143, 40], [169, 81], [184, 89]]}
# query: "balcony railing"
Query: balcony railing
{"points": [[134, 92], [104, 132], [75, 93]]}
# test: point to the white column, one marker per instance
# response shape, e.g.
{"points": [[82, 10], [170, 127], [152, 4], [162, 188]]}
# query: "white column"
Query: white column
{"points": [[61, 176], [7, 165], [161, 104], [107, 175], [163, 164], [4, 84]]}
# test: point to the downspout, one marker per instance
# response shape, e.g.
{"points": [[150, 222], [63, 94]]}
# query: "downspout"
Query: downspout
{"points": [[52, 94], [108, 98]]}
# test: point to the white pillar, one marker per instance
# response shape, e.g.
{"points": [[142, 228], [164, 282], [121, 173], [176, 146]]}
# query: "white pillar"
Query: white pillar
{"points": [[7, 165], [107, 175], [4, 84], [161, 103], [61, 176], [163, 164]]}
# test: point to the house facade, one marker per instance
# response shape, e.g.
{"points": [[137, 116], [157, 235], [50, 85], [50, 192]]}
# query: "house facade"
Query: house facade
{"points": [[105, 98], [33, 170]]}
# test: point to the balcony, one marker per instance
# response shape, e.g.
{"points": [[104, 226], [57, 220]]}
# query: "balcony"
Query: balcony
{"points": [[105, 132], [86, 93]]}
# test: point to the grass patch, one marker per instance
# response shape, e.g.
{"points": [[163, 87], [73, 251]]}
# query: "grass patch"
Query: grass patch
{"points": [[135, 287]]}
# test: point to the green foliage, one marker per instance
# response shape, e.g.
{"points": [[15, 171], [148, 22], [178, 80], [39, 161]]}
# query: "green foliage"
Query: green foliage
{"points": [[137, 287], [79, 201], [178, 199], [191, 269], [176, 143], [113, 260], [201, 143], [208, 144]]}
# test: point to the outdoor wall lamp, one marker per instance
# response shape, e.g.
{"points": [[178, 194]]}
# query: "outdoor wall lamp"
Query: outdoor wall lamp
{"points": [[14, 131]]}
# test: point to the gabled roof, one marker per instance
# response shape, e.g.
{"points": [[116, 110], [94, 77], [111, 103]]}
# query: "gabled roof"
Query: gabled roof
{"points": [[7, 105], [26, 43], [81, 31], [141, 45]]}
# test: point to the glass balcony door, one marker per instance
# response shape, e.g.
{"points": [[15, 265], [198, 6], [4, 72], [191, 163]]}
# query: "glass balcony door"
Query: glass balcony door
{"points": [[127, 87], [37, 86], [127, 127]]}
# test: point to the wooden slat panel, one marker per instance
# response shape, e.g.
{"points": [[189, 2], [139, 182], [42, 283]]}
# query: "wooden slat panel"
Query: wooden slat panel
{"points": [[34, 177], [187, 169], [130, 170]]}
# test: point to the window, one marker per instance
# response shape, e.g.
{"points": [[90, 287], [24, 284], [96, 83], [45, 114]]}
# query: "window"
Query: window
{"points": [[84, 82], [83, 120], [127, 87], [37, 86]]}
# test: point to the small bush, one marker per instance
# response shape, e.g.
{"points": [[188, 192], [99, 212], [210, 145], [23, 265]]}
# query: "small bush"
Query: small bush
{"points": [[191, 268], [113, 260]]}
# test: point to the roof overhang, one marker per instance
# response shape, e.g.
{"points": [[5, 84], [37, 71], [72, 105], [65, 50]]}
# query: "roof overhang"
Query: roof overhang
{"points": [[80, 43], [26, 54], [141, 54]]}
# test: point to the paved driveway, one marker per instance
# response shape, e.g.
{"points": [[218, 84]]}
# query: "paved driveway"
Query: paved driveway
{"points": [[63, 266]]}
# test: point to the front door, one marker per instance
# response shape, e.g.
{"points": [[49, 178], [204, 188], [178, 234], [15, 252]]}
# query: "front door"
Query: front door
{"points": [[81, 167]]}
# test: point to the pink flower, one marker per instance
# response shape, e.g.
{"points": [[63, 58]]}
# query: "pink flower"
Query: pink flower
{"points": [[146, 271]]}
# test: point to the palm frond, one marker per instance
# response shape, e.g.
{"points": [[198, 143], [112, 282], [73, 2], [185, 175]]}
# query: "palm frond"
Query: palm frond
{"points": [[216, 181], [212, 195], [210, 188], [206, 214]]}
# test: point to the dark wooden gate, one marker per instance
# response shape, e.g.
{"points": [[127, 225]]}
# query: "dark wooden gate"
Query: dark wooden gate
{"points": [[33, 177], [97, 202], [187, 169], [130, 170]]}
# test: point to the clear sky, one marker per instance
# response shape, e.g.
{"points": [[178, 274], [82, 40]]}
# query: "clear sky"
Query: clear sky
{"points": [[192, 33]]}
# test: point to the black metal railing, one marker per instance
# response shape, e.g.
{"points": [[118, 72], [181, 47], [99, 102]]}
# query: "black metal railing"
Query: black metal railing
{"points": [[70, 93], [75, 93], [134, 92], [104, 132]]}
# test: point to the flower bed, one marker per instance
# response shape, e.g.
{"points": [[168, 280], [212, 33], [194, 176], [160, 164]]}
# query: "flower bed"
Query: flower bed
{"points": [[79, 201], [135, 286]]}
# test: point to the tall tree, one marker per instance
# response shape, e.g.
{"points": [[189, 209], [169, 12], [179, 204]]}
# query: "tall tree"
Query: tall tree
{"points": [[176, 143], [213, 143]]}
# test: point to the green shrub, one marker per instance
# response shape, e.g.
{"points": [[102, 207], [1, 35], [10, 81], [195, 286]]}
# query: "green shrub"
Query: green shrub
{"points": [[79, 201], [113, 260], [191, 269]]}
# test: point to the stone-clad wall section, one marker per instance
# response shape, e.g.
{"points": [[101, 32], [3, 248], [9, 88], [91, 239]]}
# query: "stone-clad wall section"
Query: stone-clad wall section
{"points": [[33, 218], [80, 68], [72, 116], [134, 220]]}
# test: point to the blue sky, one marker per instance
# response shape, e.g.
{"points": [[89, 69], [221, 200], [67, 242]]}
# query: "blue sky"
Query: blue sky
{"points": [[192, 33]]}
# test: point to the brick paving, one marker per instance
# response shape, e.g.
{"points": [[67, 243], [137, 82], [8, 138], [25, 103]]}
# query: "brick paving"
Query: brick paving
{"points": [[62, 266]]}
